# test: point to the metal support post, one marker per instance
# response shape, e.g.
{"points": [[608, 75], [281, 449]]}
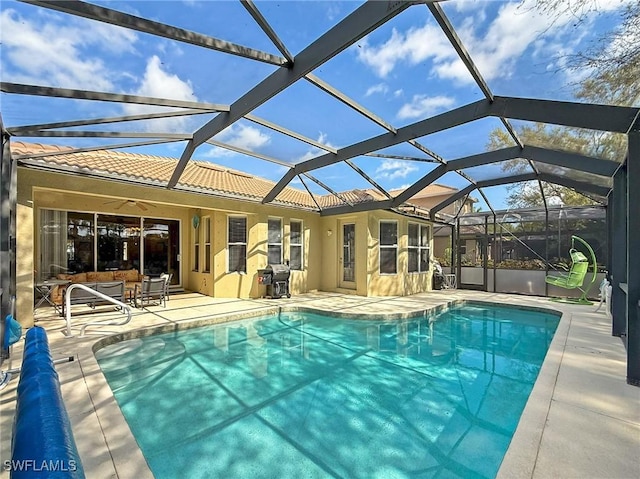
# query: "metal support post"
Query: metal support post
{"points": [[633, 256], [618, 240]]}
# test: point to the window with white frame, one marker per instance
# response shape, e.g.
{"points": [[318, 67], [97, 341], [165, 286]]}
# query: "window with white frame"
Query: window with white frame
{"points": [[206, 230], [418, 248], [295, 244], [237, 244], [274, 241], [388, 247]]}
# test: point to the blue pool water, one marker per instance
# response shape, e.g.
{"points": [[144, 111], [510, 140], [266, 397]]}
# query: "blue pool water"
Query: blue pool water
{"points": [[301, 395]]}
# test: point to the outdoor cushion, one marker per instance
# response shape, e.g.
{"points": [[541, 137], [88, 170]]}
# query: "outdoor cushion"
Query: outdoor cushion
{"points": [[74, 278], [129, 275], [100, 276], [79, 278]]}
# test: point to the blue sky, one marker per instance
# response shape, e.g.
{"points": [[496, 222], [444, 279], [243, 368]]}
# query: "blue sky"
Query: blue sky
{"points": [[403, 72]]}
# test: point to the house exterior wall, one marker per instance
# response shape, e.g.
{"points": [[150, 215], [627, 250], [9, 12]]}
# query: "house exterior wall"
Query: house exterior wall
{"points": [[322, 248], [332, 253], [47, 190], [442, 246], [402, 283], [429, 202], [369, 280]]}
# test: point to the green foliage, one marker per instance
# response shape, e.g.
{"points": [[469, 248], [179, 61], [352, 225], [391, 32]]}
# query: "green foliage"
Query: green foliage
{"points": [[446, 261], [534, 264], [614, 63], [613, 60]]}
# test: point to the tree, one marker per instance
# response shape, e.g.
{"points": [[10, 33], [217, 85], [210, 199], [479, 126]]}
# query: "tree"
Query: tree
{"points": [[599, 144], [614, 65], [613, 59]]}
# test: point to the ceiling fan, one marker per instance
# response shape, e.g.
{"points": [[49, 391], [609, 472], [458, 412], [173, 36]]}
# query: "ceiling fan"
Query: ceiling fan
{"points": [[142, 205]]}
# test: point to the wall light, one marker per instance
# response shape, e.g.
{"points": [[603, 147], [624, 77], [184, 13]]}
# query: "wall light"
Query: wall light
{"points": [[329, 232]]}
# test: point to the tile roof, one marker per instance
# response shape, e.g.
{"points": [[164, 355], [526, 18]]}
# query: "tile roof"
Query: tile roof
{"points": [[198, 176], [434, 189]]}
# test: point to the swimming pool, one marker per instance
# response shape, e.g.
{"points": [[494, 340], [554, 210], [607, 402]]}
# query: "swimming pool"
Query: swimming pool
{"points": [[299, 394]]}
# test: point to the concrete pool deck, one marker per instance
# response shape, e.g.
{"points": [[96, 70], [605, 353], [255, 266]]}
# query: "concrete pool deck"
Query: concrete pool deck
{"points": [[581, 421]]}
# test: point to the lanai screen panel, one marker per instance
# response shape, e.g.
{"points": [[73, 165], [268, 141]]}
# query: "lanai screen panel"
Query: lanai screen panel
{"points": [[279, 82]]}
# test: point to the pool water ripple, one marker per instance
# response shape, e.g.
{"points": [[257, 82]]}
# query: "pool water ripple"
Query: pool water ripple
{"points": [[307, 395]]}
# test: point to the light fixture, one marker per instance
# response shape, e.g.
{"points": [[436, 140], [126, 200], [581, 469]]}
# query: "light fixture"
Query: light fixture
{"points": [[195, 221], [329, 232]]}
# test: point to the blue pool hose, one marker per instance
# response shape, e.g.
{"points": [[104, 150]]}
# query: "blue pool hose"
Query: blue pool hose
{"points": [[43, 444]]}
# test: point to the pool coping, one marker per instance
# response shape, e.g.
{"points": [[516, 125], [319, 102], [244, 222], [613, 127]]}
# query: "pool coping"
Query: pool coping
{"points": [[519, 460]]}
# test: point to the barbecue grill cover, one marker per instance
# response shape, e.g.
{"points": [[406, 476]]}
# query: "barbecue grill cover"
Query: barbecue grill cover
{"points": [[281, 272]]}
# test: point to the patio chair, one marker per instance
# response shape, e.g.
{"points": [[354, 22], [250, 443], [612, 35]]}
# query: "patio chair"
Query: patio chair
{"points": [[151, 290], [577, 273], [167, 277], [114, 289]]}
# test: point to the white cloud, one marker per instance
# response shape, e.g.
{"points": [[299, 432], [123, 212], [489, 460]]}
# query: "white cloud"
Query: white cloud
{"points": [[494, 48], [414, 46], [422, 106], [333, 11], [313, 152], [378, 88], [243, 136], [50, 53], [393, 169], [466, 6], [158, 83]]}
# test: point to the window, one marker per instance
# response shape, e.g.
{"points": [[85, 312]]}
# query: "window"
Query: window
{"points": [[295, 245], [196, 245], [74, 242], [274, 241], [418, 248], [388, 247], [118, 241], [237, 244], [66, 243], [206, 230]]}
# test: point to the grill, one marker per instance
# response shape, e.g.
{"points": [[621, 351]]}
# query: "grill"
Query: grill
{"points": [[276, 278]]}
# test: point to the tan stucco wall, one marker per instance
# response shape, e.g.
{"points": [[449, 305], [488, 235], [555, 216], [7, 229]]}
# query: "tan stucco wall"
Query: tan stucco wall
{"points": [[322, 238], [440, 246], [24, 259], [431, 201], [39, 189], [332, 253], [369, 281], [402, 283]]}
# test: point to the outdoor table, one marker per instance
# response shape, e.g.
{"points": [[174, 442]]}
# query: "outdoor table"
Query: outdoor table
{"points": [[45, 288]]}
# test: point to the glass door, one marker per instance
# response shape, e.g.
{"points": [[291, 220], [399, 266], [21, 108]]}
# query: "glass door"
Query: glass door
{"points": [[118, 243], [161, 248], [348, 257]]}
